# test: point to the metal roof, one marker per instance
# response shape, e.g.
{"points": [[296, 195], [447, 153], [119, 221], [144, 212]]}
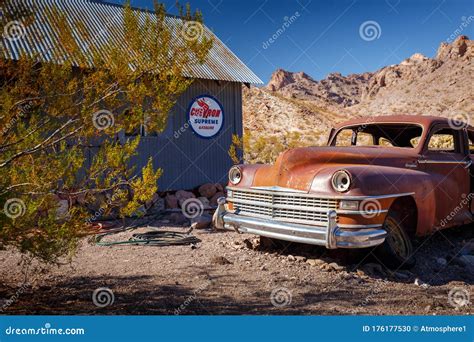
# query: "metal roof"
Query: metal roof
{"points": [[38, 38]]}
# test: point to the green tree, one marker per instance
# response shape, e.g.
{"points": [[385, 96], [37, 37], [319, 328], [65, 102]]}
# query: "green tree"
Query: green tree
{"points": [[50, 112]]}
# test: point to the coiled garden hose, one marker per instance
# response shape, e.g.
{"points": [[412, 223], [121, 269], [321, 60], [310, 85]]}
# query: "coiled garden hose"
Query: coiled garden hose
{"points": [[155, 238]]}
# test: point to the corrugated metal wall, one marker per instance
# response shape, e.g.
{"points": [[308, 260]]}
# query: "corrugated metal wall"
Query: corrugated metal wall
{"points": [[187, 159]]}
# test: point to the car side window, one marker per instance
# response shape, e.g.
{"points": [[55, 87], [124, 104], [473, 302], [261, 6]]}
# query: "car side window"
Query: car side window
{"points": [[415, 141], [471, 142], [385, 142], [365, 139], [444, 140], [344, 138]]}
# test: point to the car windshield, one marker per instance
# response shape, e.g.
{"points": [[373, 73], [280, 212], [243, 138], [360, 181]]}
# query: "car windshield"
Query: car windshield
{"points": [[385, 135]]}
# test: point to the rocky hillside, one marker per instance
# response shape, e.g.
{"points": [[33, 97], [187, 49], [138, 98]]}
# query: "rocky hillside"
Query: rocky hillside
{"points": [[294, 102], [334, 91], [442, 85]]}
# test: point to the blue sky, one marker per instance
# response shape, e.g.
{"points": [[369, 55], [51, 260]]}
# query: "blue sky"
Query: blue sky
{"points": [[326, 36]]}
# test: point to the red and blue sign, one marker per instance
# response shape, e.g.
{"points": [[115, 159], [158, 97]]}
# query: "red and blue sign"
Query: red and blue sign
{"points": [[206, 116]]}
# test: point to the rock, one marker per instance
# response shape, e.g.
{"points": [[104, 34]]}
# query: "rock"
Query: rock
{"points": [[182, 195], [213, 201], [325, 267], [291, 258], [263, 268], [237, 245], [157, 205], [281, 78], [220, 260], [420, 283], [171, 201], [178, 219], [335, 266], [454, 50], [205, 202], [315, 262], [428, 308], [219, 187], [201, 222], [300, 258], [62, 209], [207, 190]]}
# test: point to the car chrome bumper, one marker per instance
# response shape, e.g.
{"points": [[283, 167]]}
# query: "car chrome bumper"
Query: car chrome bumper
{"points": [[332, 236]]}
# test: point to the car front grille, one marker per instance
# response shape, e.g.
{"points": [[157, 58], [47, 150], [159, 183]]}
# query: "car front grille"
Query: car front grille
{"points": [[282, 206]]}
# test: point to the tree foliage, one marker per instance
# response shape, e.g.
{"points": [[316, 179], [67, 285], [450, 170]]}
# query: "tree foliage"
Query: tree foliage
{"points": [[51, 113]]}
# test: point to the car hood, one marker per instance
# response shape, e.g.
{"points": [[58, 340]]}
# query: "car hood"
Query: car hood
{"points": [[297, 168]]}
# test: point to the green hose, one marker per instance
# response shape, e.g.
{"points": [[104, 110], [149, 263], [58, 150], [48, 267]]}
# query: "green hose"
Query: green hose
{"points": [[155, 238]]}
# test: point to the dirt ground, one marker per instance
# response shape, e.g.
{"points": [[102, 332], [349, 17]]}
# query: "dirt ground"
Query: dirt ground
{"points": [[228, 273]]}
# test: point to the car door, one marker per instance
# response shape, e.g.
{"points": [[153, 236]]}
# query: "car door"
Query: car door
{"points": [[470, 134], [446, 158]]}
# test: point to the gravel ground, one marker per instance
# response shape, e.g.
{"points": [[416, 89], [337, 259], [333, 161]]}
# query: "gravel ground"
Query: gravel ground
{"points": [[228, 273]]}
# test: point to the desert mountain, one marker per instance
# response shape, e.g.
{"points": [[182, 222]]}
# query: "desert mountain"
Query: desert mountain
{"points": [[295, 105]]}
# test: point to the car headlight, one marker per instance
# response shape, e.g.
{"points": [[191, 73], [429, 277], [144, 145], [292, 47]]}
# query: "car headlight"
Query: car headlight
{"points": [[341, 181], [235, 175]]}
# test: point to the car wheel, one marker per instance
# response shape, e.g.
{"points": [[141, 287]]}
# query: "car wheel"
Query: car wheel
{"points": [[397, 249]]}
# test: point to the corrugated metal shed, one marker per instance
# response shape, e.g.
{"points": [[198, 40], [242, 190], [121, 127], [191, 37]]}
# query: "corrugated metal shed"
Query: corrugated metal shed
{"points": [[99, 18], [187, 160]]}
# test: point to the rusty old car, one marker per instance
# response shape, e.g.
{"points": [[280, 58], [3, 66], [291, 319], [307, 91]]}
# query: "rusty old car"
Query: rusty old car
{"points": [[380, 182]]}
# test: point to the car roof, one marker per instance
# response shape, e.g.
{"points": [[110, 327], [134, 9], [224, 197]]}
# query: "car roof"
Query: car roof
{"points": [[424, 120]]}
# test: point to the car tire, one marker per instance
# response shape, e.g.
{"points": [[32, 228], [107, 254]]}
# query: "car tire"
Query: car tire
{"points": [[397, 250]]}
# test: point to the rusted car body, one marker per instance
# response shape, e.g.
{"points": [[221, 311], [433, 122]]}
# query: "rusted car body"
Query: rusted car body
{"points": [[417, 169]]}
